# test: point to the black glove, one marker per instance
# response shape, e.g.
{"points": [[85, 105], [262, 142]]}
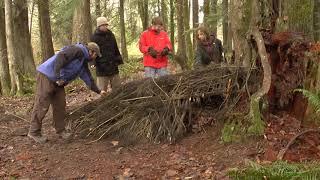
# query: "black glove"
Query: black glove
{"points": [[153, 53], [165, 51]]}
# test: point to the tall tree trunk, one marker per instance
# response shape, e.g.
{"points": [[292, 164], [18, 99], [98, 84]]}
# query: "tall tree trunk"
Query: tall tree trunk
{"points": [[15, 75], [258, 125], [195, 20], [124, 50], [45, 30], [214, 24], [206, 11], [4, 66], [97, 8], [81, 28], [172, 24], [181, 57], [143, 12], [22, 38], [186, 21], [164, 13], [227, 40], [316, 20], [239, 27]]}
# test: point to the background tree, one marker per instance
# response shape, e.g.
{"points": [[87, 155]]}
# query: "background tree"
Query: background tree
{"points": [[45, 30], [124, 50], [227, 40], [181, 57], [316, 20], [143, 12], [187, 31], [164, 13], [81, 27], [172, 29], [4, 66], [22, 41], [15, 74], [206, 11], [195, 20]]}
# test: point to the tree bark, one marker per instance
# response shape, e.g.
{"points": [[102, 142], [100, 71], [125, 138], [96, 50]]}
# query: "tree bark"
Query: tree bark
{"points": [[316, 20], [172, 24], [195, 20], [98, 8], [4, 66], [213, 11], [45, 30], [186, 20], [81, 29], [22, 38], [164, 13], [258, 124], [239, 26], [181, 52], [124, 50], [143, 12], [15, 75], [206, 11], [227, 40]]}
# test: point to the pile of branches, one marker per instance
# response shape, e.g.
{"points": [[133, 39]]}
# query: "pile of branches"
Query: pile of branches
{"points": [[157, 109]]}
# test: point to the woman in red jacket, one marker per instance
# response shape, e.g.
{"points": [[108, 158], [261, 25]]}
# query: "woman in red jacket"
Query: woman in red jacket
{"points": [[155, 45]]}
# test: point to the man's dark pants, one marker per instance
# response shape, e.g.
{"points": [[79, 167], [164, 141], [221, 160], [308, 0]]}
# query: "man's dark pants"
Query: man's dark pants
{"points": [[47, 93]]}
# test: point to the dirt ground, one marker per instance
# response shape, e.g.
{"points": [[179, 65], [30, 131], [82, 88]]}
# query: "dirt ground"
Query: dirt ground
{"points": [[198, 156]]}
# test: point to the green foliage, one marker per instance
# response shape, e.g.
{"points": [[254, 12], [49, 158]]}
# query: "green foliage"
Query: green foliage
{"points": [[28, 85], [278, 170], [257, 126], [313, 98], [134, 65], [235, 128], [61, 12]]}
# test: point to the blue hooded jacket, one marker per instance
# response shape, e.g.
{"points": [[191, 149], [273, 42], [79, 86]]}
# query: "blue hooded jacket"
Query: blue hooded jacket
{"points": [[74, 66]]}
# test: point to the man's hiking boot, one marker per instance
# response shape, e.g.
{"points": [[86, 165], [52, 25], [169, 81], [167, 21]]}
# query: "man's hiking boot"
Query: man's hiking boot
{"points": [[38, 138], [65, 135]]}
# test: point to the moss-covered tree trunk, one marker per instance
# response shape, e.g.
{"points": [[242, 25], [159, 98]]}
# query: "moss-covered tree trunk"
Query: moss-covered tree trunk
{"points": [[143, 12]]}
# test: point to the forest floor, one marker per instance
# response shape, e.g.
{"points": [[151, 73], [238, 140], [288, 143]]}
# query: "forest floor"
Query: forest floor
{"points": [[197, 156]]}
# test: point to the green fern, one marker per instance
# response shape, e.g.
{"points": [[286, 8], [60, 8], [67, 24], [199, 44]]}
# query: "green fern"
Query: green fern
{"points": [[278, 170], [313, 98]]}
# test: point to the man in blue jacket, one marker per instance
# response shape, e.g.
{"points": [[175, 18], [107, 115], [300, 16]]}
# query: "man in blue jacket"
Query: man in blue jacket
{"points": [[53, 75]]}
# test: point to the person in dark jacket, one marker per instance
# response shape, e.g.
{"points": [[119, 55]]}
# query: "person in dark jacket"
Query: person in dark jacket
{"points": [[106, 66], [207, 50], [53, 75]]}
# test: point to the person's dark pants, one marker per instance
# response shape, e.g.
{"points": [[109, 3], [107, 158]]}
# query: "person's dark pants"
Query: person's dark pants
{"points": [[47, 93]]}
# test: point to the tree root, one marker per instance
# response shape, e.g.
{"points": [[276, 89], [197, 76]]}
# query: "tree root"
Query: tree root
{"points": [[282, 152]]}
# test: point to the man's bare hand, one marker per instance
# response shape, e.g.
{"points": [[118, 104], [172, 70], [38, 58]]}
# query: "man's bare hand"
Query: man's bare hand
{"points": [[103, 93], [60, 82]]}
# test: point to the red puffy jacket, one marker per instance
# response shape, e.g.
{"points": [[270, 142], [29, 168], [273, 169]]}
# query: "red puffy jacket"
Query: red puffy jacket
{"points": [[149, 38]]}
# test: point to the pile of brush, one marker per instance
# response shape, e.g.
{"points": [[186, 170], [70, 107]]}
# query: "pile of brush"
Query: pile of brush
{"points": [[157, 109]]}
